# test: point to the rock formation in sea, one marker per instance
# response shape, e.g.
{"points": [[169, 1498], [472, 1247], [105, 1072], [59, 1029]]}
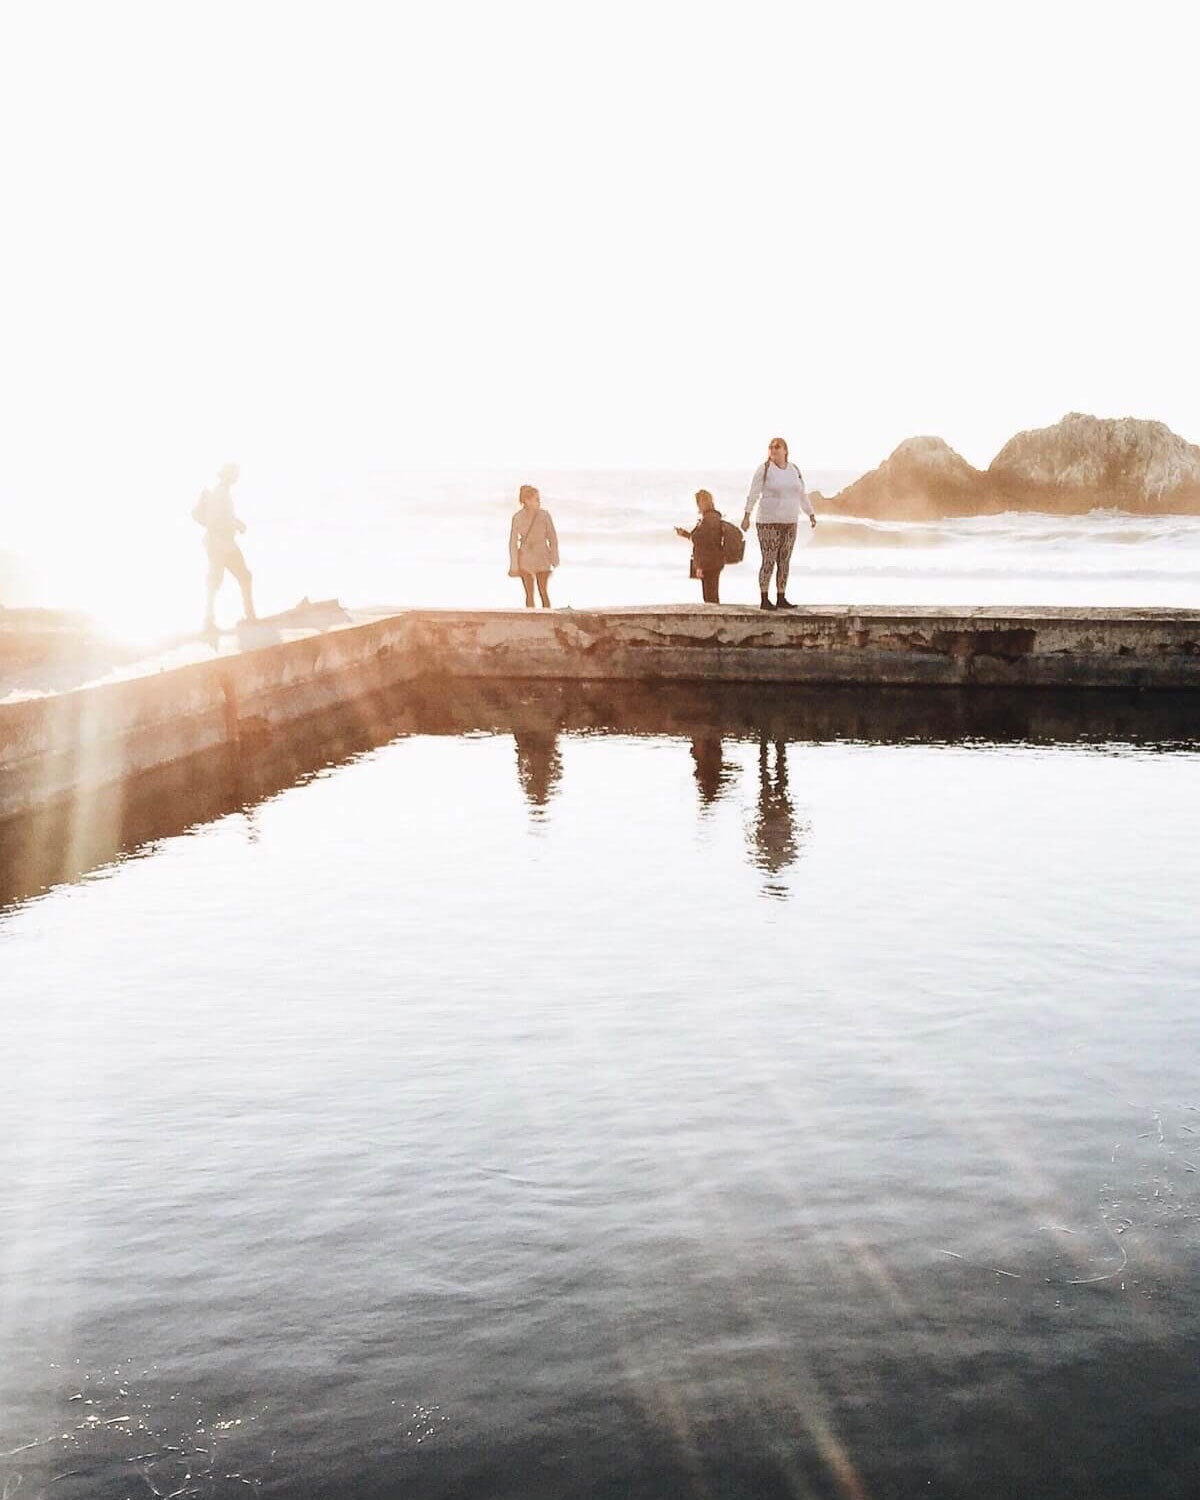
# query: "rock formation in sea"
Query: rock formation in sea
{"points": [[1081, 463]]}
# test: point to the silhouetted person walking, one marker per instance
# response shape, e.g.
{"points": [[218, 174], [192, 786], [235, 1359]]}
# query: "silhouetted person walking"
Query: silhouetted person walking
{"points": [[532, 546], [708, 553], [778, 490], [214, 511]]}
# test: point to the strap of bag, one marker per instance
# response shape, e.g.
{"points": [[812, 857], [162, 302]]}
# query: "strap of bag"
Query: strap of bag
{"points": [[523, 538], [790, 465]]}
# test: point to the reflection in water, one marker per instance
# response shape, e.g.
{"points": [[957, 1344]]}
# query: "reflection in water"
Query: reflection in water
{"points": [[664, 1223], [66, 840], [776, 841], [712, 771], [539, 766]]}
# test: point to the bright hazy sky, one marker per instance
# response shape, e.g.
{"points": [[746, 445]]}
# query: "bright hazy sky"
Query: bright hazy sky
{"points": [[346, 237]]}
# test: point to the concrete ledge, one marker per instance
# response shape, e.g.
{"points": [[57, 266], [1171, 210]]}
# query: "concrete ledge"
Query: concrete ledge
{"points": [[824, 644], [53, 746]]}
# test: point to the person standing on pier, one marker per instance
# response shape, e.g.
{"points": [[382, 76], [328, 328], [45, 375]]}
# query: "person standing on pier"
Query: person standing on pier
{"points": [[708, 550], [532, 546], [778, 490], [214, 511]]}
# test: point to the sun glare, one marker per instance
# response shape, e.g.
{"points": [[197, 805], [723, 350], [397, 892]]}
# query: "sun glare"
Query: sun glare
{"points": [[133, 598]]}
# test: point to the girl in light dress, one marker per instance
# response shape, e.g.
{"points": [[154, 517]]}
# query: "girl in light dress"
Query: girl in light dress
{"points": [[532, 546]]}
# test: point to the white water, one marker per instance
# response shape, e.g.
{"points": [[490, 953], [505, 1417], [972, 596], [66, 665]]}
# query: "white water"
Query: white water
{"points": [[441, 538]]}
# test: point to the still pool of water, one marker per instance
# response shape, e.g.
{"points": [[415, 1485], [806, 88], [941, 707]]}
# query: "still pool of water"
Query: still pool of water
{"points": [[695, 1102]]}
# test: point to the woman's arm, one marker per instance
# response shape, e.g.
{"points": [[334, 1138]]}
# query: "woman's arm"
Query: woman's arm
{"points": [[754, 494], [552, 537], [513, 557], [805, 502]]}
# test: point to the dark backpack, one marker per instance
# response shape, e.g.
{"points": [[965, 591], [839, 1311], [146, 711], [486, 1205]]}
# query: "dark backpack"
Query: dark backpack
{"points": [[733, 543]]}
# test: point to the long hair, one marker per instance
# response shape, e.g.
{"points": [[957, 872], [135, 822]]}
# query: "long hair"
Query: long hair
{"points": [[527, 492], [787, 461]]}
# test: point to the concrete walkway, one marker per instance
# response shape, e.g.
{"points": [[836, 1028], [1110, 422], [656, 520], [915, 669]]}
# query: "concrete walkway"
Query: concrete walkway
{"points": [[44, 651]]}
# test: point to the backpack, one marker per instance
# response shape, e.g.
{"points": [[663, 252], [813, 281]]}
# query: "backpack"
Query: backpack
{"points": [[733, 543]]}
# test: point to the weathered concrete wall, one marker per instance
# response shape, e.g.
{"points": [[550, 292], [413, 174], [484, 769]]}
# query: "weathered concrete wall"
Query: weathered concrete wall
{"points": [[54, 745], [824, 644], [50, 746]]}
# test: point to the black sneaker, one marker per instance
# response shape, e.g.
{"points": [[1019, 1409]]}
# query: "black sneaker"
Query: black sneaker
{"points": [[782, 603], [766, 603]]}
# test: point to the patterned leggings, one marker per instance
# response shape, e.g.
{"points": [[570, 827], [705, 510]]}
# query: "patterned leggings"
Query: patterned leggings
{"points": [[776, 540]]}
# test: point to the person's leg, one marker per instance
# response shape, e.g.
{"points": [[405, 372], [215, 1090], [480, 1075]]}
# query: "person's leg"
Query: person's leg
{"points": [[710, 585], [236, 564], [543, 583], [527, 585], [768, 542], [216, 572], [787, 540]]}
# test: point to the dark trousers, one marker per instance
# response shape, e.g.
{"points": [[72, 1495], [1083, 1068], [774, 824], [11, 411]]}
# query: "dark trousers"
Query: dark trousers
{"points": [[710, 585]]}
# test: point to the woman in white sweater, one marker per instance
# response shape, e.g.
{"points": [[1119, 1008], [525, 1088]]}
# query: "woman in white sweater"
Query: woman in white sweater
{"points": [[778, 490]]}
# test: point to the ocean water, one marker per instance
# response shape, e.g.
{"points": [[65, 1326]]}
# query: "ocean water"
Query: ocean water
{"points": [[538, 1091], [440, 538]]}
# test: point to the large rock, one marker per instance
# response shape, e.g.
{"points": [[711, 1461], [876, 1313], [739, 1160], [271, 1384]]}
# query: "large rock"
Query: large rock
{"points": [[1081, 463], [1132, 464], [924, 478]]}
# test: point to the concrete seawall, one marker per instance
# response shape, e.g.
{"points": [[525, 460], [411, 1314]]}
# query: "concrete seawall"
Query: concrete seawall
{"points": [[53, 746]]}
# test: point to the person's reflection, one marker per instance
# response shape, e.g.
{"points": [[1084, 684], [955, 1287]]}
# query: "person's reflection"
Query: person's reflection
{"points": [[539, 766], [776, 838], [711, 770]]}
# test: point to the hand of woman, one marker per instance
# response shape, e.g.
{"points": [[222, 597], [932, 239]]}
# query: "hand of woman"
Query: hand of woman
{"points": [[514, 572], [746, 524], [680, 531], [812, 521]]}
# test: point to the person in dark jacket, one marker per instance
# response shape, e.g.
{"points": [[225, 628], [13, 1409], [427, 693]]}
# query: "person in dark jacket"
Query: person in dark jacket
{"points": [[707, 549]]}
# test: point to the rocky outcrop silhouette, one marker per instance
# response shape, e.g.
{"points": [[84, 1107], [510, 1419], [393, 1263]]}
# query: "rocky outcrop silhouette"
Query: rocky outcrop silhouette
{"points": [[1081, 463], [922, 480], [1139, 464]]}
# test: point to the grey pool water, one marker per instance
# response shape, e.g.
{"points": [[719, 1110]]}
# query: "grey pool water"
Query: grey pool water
{"points": [[620, 1115]]}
